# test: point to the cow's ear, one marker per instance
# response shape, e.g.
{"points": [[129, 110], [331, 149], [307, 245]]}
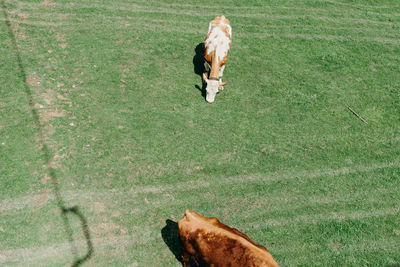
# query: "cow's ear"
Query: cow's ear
{"points": [[205, 78], [223, 84]]}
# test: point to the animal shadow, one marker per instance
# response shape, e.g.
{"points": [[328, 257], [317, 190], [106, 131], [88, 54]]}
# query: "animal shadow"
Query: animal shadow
{"points": [[198, 59], [198, 67], [170, 235]]}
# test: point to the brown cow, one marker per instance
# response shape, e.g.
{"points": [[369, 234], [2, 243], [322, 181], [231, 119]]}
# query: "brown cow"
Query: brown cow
{"points": [[211, 243]]}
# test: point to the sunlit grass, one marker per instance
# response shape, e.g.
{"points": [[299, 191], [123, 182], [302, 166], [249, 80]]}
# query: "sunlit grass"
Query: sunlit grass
{"points": [[133, 142]]}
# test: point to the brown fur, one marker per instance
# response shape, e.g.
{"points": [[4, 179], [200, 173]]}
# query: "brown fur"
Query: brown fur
{"points": [[209, 57], [211, 243]]}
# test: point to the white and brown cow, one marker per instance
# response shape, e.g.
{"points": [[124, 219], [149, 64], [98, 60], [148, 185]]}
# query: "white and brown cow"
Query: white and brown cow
{"points": [[217, 45], [210, 243]]}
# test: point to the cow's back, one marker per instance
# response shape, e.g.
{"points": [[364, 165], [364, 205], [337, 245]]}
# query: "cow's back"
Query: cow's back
{"points": [[211, 242], [218, 40]]}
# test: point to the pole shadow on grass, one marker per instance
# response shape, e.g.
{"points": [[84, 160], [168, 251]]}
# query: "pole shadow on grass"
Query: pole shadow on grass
{"points": [[45, 152], [198, 65]]}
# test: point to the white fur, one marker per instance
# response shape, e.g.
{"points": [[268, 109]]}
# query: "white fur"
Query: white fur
{"points": [[218, 41], [212, 89]]}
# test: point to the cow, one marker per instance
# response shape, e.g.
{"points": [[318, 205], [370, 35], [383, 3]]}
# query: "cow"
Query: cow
{"points": [[217, 45], [208, 242]]}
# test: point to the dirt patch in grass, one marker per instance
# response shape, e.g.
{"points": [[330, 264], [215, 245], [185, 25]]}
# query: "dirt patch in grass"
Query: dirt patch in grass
{"points": [[99, 207], [47, 115], [49, 96], [41, 199], [33, 81], [47, 2], [45, 179], [55, 162], [62, 40]]}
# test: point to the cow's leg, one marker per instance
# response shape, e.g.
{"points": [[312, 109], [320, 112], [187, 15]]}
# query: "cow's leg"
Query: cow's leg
{"points": [[186, 259], [221, 72], [207, 68]]}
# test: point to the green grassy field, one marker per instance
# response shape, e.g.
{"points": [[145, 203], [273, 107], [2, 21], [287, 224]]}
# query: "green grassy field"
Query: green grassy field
{"points": [[101, 108]]}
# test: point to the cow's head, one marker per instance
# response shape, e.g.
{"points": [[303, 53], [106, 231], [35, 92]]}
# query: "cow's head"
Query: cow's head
{"points": [[213, 85]]}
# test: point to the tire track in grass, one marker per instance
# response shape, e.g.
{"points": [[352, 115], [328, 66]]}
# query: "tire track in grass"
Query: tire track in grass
{"points": [[146, 26], [134, 8], [340, 20], [328, 38], [145, 5], [28, 201], [364, 245], [324, 217], [360, 5], [57, 251], [312, 37], [202, 25], [356, 6], [144, 21], [167, 28], [119, 242], [271, 8], [38, 23]]}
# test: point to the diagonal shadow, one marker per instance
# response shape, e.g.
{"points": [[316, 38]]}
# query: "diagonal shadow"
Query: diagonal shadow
{"points": [[47, 157], [198, 67], [198, 59], [170, 235]]}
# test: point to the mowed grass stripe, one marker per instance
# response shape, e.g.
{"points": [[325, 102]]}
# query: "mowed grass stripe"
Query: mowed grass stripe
{"points": [[256, 222], [273, 207], [330, 9], [378, 6], [365, 245], [270, 8], [139, 205], [61, 250], [271, 29], [38, 23], [330, 216], [268, 31], [339, 18], [265, 18], [29, 201], [260, 33], [169, 29], [297, 6]]}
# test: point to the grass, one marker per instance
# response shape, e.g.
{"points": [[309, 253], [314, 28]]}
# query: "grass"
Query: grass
{"points": [[133, 143]]}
